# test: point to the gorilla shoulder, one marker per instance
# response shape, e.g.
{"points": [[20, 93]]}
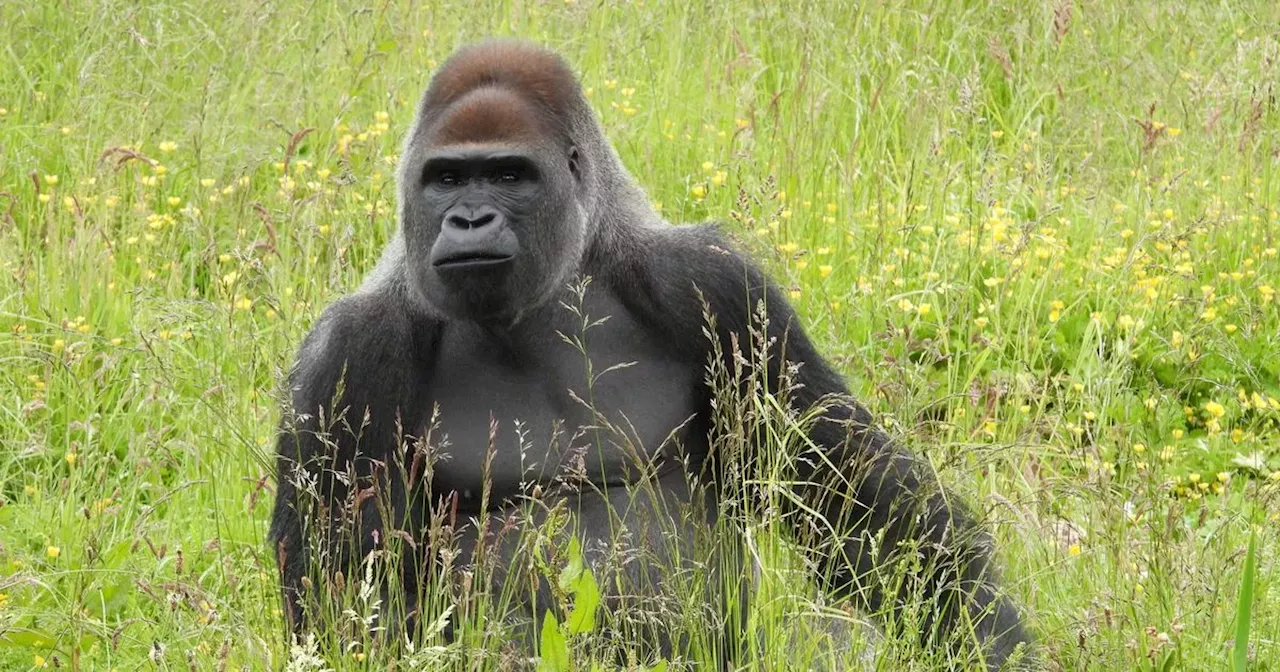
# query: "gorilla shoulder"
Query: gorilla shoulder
{"points": [[673, 277], [361, 344]]}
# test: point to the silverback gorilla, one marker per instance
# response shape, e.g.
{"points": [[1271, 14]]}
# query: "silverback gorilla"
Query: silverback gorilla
{"points": [[517, 221]]}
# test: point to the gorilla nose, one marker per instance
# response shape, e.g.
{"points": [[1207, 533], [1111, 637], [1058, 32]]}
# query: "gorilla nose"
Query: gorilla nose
{"points": [[466, 219]]}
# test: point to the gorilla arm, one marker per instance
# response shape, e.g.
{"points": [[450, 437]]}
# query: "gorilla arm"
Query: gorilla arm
{"points": [[861, 498], [339, 470]]}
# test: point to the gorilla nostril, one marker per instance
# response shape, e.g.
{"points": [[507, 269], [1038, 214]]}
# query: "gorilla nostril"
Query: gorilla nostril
{"points": [[470, 221]]}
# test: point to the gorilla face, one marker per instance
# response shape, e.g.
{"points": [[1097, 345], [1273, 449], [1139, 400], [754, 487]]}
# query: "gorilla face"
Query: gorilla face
{"points": [[492, 221]]}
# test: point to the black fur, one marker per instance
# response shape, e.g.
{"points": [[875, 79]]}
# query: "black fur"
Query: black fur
{"points": [[492, 344]]}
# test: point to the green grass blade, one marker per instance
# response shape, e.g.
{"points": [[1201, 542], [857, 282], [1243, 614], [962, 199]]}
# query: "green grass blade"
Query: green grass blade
{"points": [[1244, 607]]}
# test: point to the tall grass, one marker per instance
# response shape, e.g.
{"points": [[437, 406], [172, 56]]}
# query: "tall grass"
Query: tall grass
{"points": [[1039, 237]]}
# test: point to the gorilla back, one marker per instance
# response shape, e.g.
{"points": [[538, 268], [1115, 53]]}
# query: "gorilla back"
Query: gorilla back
{"points": [[536, 333]]}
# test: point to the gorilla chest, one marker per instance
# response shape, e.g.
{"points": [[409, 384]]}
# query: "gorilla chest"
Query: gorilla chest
{"points": [[560, 404]]}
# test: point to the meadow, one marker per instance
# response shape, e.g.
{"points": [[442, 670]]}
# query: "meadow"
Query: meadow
{"points": [[1040, 239]]}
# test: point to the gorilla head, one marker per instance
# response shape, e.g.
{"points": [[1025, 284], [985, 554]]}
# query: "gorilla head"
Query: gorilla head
{"points": [[495, 191]]}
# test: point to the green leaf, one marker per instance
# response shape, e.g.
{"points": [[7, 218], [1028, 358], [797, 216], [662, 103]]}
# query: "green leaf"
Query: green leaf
{"points": [[553, 650], [573, 568], [578, 581], [1244, 606], [586, 600]]}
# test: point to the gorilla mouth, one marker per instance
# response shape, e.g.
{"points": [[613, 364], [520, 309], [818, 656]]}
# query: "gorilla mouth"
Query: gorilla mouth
{"points": [[478, 244], [477, 259]]}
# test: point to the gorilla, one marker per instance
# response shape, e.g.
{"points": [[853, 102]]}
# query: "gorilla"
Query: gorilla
{"points": [[536, 331]]}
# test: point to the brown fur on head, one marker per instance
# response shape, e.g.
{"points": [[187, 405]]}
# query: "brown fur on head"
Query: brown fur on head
{"points": [[489, 115], [536, 74]]}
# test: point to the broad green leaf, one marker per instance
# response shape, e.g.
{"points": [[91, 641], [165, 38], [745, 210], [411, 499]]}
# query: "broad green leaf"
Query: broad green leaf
{"points": [[573, 568], [586, 600], [553, 650]]}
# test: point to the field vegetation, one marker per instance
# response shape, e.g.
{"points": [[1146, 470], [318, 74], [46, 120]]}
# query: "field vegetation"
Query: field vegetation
{"points": [[1040, 238]]}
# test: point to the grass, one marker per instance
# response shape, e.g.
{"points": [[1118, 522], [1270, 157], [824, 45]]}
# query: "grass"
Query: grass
{"points": [[1039, 237]]}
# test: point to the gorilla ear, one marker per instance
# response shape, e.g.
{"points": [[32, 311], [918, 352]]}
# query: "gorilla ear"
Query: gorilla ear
{"points": [[573, 162]]}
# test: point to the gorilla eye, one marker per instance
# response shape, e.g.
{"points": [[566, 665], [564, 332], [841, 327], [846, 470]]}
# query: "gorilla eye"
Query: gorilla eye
{"points": [[509, 177], [448, 178]]}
